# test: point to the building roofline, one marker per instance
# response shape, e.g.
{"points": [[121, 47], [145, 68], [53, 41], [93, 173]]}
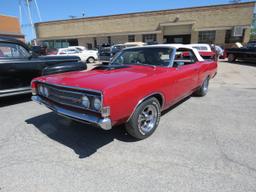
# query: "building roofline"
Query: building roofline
{"points": [[134, 14], [1, 14]]}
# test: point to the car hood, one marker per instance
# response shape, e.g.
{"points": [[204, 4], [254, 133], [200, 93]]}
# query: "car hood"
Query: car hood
{"points": [[101, 78]]}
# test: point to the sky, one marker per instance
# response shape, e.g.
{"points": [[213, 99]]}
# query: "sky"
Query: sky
{"points": [[63, 9]]}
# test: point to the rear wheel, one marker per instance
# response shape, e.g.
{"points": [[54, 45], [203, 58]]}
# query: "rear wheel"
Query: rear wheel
{"points": [[203, 90], [145, 119], [90, 60], [231, 58]]}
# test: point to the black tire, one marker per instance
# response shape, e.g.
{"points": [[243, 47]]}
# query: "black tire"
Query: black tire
{"points": [[133, 127], [90, 60], [203, 90], [231, 58]]}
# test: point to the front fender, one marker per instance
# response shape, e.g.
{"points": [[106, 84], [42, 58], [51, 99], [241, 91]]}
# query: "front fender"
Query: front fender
{"points": [[124, 99]]}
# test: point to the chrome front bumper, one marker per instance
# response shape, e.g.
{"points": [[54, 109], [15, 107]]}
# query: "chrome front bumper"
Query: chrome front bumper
{"points": [[103, 123]]}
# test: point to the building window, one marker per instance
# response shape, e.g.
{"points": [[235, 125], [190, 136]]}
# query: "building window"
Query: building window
{"points": [[131, 38], [149, 38], [206, 37], [229, 38], [60, 43], [89, 46]]}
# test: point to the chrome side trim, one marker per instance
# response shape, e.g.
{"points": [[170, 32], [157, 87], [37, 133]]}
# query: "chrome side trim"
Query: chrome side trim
{"points": [[146, 97], [103, 123], [18, 91]]}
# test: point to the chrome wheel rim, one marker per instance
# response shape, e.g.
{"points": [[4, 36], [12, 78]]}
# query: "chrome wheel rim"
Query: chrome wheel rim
{"points": [[147, 119], [205, 86], [91, 60]]}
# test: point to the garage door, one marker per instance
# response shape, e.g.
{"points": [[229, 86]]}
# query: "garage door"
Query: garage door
{"points": [[178, 30]]}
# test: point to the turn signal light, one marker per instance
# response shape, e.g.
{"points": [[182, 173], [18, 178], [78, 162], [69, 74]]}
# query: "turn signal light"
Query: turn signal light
{"points": [[105, 111], [33, 87]]}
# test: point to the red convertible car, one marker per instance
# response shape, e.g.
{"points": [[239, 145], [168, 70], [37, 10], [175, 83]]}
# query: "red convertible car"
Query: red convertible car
{"points": [[138, 84]]}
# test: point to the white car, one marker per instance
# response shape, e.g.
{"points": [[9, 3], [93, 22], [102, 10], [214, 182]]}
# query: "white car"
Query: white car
{"points": [[85, 55], [202, 47]]}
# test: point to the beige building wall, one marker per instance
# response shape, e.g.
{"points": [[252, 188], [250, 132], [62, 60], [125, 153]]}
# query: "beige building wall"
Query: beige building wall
{"points": [[194, 37], [119, 39], [85, 41], [220, 37], [138, 38], [219, 18], [247, 35], [160, 38]]}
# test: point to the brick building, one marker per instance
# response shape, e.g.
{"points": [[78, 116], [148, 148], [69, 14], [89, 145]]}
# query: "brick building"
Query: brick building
{"points": [[208, 24], [10, 27]]}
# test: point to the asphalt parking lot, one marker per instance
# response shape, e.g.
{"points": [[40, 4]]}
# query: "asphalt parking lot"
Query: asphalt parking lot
{"points": [[202, 144]]}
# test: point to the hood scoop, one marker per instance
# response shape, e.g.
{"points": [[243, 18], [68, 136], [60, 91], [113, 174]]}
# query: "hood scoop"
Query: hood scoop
{"points": [[110, 67]]}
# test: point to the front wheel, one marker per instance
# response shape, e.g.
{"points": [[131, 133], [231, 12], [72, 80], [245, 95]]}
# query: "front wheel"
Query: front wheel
{"points": [[145, 119]]}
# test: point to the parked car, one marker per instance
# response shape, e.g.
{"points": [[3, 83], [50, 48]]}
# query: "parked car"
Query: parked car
{"points": [[18, 66], [104, 54], [119, 47], [51, 51], [85, 55], [247, 53], [204, 50], [108, 53], [133, 90]]}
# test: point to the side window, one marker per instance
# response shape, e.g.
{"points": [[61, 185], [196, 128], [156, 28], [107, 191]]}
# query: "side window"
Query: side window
{"points": [[10, 50], [184, 57], [72, 51]]}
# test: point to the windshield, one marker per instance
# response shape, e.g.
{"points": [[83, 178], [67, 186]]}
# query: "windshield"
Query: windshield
{"points": [[145, 56]]}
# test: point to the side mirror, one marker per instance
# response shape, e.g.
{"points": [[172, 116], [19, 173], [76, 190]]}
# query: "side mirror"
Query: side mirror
{"points": [[33, 54]]}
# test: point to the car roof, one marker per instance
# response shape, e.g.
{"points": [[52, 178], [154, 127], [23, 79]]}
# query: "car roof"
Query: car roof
{"points": [[200, 44], [172, 46], [13, 40], [83, 47]]}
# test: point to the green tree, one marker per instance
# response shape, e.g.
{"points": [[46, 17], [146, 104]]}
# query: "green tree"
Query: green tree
{"points": [[253, 31]]}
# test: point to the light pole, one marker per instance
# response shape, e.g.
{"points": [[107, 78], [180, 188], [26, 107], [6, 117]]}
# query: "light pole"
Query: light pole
{"points": [[29, 14]]}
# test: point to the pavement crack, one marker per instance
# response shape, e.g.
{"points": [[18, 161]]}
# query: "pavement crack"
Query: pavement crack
{"points": [[226, 157]]}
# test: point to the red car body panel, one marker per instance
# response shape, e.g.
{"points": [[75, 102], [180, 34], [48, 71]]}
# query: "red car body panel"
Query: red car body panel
{"points": [[124, 88]]}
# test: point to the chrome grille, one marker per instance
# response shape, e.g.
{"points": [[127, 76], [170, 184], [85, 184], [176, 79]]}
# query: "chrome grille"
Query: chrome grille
{"points": [[68, 97], [65, 97]]}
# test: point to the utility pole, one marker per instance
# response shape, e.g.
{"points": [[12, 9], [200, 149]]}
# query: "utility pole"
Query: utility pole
{"points": [[26, 6], [30, 17]]}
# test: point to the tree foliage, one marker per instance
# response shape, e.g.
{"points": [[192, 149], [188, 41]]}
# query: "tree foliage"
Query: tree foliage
{"points": [[253, 31]]}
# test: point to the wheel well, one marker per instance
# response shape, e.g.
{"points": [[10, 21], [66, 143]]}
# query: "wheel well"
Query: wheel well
{"points": [[159, 97], [91, 57]]}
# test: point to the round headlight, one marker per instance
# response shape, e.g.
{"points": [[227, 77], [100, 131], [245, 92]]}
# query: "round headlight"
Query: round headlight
{"points": [[97, 104], [85, 102], [46, 92]]}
